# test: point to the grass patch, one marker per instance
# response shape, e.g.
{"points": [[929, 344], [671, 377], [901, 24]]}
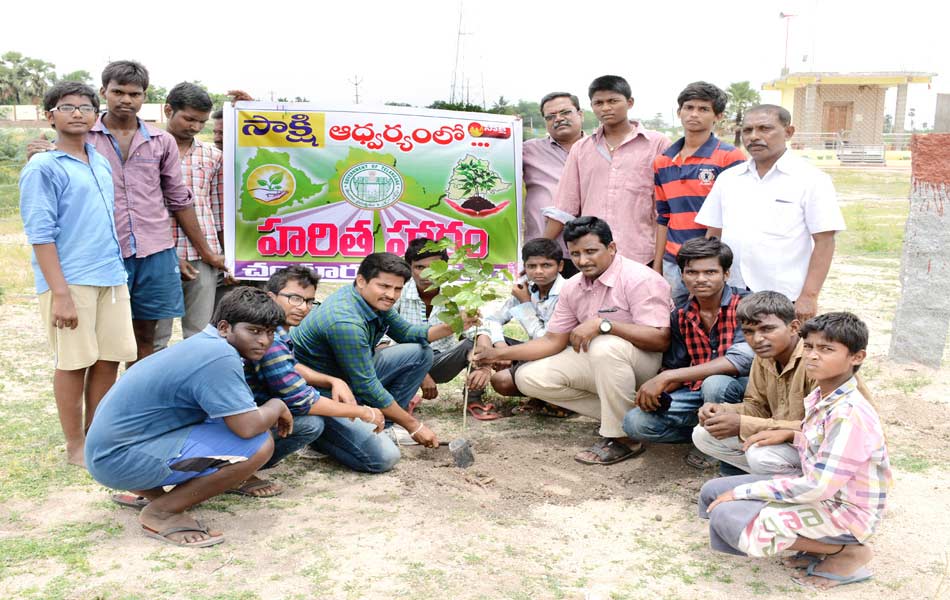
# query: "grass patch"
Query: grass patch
{"points": [[911, 384], [911, 464], [874, 228], [869, 183], [67, 544]]}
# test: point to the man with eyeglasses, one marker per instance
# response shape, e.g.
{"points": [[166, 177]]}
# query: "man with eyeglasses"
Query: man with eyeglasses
{"points": [[146, 175], [66, 200], [327, 418], [609, 174], [543, 161]]}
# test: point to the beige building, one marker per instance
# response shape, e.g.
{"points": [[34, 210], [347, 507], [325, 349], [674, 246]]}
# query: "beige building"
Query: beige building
{"points": [[844, 107]]}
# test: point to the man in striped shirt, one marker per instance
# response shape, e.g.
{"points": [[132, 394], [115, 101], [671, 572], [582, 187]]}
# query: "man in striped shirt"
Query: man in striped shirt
{"points": [[684, 174], [187, 109]]}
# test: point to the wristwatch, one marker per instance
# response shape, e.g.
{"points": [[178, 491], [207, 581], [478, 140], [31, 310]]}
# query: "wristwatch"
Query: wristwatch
{"points": [[606, 326]]}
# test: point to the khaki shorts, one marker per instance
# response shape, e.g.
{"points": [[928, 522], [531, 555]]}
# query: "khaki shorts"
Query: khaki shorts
{"points": [[104, 331]]}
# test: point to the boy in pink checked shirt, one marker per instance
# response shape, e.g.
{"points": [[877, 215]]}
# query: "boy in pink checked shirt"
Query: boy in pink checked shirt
{"points": [[828, 513]]}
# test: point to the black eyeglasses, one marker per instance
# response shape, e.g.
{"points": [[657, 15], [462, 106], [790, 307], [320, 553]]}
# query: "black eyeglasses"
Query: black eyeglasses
{"points": [[86, 109], [562, 114], [297, 300]]}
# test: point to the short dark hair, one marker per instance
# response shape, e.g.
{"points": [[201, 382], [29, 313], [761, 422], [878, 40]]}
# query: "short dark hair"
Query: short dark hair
{"points": [[299, 273], [610, 83], [218, 114], [701, 90], [842, 327], [189, 95], [554, 95], [542, 247], [702, 247], [384, 262], [581, 226], [755, 306], [245, 304], [125, 72], [69, 88], [415, 252], [784, 117]]}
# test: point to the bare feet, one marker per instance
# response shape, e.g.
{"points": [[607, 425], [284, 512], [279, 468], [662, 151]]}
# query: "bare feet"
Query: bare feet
{"points": [[155, 523], [847, 563], [75, 454]]}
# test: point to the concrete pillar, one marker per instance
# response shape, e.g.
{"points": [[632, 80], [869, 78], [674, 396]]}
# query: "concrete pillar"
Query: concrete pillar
{"points": [[812, 122], [942, 118], [900, 111], [923, 311]]}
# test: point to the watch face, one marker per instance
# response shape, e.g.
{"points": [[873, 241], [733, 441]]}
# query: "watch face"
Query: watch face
{"points": [[605, 326]]}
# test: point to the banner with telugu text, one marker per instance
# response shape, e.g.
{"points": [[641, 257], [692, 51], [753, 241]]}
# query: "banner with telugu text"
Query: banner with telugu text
{"points": [[326, 187]]}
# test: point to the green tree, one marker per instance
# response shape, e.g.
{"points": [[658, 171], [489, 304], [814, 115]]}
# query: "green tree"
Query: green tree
{"points": [[23, 79], [155, 94], [81, 76], [741, 97], [457, 106]]}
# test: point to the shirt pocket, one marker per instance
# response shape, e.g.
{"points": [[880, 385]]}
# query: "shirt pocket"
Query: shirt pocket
{"points": [[145, 167], [638, 176], [782, 217]]}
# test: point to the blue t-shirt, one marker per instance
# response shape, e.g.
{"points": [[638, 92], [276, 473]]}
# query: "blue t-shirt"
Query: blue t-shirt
{"points": [[144, 420], [70, 203]]}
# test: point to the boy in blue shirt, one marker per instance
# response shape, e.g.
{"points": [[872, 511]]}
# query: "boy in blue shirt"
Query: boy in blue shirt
{"points": [[198, 430], [66, 203]]}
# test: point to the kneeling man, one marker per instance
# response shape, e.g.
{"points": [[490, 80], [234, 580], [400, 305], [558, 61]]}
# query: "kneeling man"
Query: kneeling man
{"points": [[616, 318]]}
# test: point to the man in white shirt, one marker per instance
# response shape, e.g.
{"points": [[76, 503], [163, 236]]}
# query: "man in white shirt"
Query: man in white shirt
{"points": [[777, 212]]}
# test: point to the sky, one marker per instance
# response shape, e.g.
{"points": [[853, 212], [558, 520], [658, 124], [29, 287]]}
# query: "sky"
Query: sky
{"points": [[406, 51]]}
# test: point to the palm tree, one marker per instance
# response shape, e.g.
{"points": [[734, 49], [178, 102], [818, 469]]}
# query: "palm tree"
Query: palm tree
{"points": [[741, 97]]}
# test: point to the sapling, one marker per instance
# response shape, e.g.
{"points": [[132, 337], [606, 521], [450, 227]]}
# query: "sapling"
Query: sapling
{"points": [[465, 285]]}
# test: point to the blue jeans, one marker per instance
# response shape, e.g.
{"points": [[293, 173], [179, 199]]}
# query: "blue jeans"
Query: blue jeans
{"points": [[353, 444], [676, 424], [401, 369], [673, 276], [306, 429]]}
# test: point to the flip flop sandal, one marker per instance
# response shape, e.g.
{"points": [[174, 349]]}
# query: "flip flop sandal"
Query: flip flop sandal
{"points": [[247, 489], [130, 500], [483, 412], [416, 401], [697, 460], [531, 407], [858, 576], [550, 410], [609, 452], [811, 558], [197, 528]]}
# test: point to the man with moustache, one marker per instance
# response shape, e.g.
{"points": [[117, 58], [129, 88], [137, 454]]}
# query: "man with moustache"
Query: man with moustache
{"points": [[543, 161], [777, 212]]}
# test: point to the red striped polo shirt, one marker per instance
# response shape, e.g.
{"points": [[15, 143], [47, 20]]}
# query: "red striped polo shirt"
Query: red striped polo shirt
{"points": [[681, 187]]}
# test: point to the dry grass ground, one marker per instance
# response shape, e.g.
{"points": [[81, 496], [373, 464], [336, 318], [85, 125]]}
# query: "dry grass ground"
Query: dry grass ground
{"points": [[525, 521]]}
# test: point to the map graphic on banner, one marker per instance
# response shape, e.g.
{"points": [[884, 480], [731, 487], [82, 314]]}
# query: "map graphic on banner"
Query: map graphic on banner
{"points": [[325, 187]]}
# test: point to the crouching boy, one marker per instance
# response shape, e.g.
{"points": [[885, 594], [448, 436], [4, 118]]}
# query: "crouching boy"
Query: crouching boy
{"points": [[185, 417], [829, 512]]}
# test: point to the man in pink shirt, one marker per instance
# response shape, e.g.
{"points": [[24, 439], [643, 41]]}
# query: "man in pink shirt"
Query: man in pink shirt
{"points": [[543, 160], [610, 174], [616, 319]]}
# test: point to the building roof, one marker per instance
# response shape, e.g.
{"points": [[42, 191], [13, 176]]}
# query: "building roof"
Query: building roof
{"points": [[881, 78]]}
